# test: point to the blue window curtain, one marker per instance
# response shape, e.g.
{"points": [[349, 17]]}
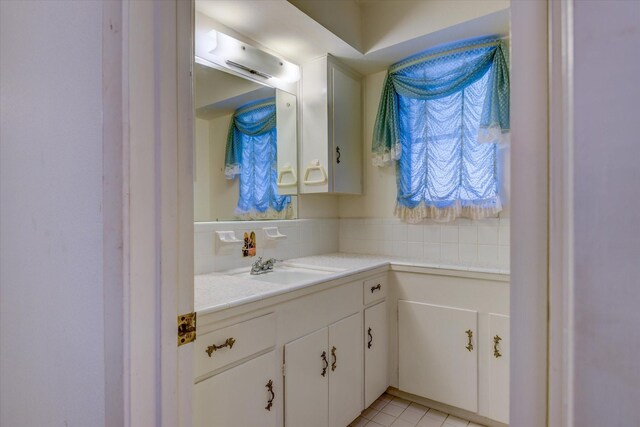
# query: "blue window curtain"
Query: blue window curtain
{"points": [[251, 153], [441, 116]]}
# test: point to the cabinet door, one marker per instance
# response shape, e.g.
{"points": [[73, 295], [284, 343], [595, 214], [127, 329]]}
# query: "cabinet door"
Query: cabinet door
{"points": [[238, 397], [307, 380], [499, 368], [346, 132], [376, 352], [345, 380], [438, 353]]}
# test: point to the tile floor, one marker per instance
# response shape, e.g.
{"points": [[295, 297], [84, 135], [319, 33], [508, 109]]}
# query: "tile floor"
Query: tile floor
{"points": [[396, 412]]}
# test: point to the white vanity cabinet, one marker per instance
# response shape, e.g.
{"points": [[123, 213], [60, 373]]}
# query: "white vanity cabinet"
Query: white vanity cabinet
{"points": [[499, 368], [323, 376], [376, 352], [438, 353], [239, 397], [452, 337], [331, 116], [235, 375]]}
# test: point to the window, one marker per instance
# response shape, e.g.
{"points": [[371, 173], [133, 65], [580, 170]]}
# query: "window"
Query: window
{"points": [[441, 116], [252, 154]]}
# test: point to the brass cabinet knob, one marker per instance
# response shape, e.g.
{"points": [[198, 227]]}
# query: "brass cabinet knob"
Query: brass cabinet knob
{"points": [[269, 387], [228, 343], [496, 346]]}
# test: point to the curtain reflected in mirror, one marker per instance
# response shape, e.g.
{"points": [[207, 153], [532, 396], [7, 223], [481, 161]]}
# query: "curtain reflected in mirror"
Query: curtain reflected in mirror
{"points": [[245, 149]]}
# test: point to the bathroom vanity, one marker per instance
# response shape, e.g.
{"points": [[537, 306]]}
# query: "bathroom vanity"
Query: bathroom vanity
{"points": [[319, 349]]}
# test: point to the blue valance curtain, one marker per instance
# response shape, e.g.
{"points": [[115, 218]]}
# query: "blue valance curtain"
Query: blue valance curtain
{"points": [[441, 115], [251, 153]]}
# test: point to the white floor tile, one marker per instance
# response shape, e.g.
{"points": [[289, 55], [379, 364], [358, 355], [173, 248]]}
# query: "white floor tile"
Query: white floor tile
{"points": [[400, 402], [359, 422], [411, 416], [452, 421], [379, 404], [436, 415], [369, 413], [390, 411], [384, 419], [429, 422], [393, 410], [402, 423]]}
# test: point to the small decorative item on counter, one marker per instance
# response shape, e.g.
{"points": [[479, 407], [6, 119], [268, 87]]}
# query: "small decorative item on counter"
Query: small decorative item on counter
{"points": [[249, 246]]}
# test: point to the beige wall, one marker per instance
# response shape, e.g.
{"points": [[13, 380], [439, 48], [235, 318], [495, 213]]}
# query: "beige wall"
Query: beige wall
{"points": [[317, 206], [215, 197], [202, 181], [379, 184], [386, 23]]}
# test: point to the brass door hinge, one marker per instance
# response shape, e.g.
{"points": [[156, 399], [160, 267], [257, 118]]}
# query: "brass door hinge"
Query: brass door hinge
{"points": [[186, 328]]}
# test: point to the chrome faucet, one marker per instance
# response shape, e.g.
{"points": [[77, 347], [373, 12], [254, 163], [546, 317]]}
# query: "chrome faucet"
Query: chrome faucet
{"points": [[262, 267]]}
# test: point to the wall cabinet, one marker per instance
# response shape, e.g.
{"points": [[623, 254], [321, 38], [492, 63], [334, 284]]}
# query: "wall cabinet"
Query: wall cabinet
{"points": [[239, 397], [376, 353], [438, 353], [323, 376], [331, 155]]}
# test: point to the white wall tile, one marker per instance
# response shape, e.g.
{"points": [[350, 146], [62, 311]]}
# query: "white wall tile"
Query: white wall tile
{"points": [[415, 233], [431, 234], [504, 256], [488, 255], [449, 234], [468, 234], [449, 253], [465, 242], [468, 254], [400, 232], [504, 234], [487, 235], [400, 249], [431, 252], [415, 249]]}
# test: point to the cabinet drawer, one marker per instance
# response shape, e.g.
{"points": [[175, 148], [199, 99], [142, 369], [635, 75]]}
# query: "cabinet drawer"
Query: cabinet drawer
{"points": [[375, 289], [221, 347]]}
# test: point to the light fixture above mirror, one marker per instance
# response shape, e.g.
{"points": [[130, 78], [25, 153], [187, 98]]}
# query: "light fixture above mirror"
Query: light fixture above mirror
{"points": [[227, 51]]}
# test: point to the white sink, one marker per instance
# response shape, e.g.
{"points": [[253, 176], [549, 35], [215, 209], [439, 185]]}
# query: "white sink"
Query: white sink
{"points": [[287, 274]]}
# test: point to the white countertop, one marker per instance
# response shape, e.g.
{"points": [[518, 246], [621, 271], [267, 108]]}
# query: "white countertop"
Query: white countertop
{"points": [[220, 290]]}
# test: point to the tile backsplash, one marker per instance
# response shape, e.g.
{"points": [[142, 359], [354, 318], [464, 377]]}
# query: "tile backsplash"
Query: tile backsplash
{"points": [[304, 237], [482, 243]]}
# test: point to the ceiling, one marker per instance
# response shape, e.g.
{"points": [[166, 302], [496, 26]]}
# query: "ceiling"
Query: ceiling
{"points": [[368, 36]]}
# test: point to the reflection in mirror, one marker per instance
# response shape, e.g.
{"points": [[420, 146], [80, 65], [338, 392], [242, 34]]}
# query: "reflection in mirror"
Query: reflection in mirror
{"points": [[245, 150]]}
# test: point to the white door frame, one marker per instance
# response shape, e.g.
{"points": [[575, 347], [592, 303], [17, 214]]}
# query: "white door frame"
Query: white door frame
{"points": [[148, 171], [529, 211], [157, 224]]}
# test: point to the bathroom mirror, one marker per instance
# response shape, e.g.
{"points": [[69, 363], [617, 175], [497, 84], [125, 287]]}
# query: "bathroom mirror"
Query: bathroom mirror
{"points": [[245, 165]]}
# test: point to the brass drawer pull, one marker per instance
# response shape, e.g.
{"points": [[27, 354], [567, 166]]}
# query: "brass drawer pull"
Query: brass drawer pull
{"points": [[370, 338], [269, 387], [496, 348], [228, 343], [335, 359], [326, 363], [376, 288], [470, 336]]}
